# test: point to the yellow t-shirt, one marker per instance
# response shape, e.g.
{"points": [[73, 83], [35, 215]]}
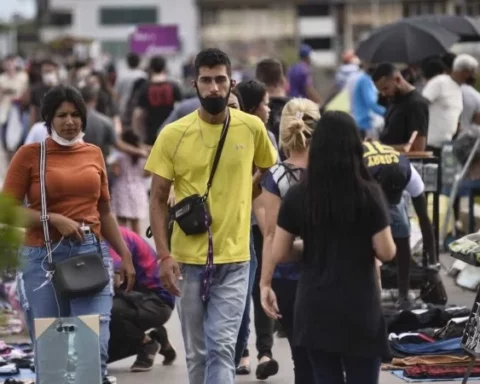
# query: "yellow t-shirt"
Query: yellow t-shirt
{"points": [[184, 152]]}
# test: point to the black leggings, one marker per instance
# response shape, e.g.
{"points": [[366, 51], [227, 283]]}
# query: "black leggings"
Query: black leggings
{"points": [[336, 369], [263, 324], [286, 291], [403, 259]]}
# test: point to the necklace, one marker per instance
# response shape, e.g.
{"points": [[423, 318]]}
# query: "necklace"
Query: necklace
{"points": [[203, 140]]}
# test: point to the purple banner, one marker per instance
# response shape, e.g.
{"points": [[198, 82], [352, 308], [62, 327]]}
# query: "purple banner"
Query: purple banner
{"points": [[155, 39]]}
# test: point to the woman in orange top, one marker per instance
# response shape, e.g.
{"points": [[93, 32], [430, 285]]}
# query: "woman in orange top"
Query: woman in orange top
{"points": [[78, 205]]}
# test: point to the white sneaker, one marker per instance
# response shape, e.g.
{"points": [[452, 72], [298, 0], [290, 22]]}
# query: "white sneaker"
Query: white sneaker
{"points": [[110, 380]]}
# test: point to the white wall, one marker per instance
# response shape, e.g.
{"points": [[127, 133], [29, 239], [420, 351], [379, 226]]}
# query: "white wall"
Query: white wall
{"points": [[86, 23]]}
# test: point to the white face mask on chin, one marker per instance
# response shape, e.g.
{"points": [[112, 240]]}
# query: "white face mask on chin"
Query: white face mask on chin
{"points": [[64, 142]]}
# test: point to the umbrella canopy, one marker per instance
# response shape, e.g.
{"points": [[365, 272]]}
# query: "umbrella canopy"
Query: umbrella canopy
{"points": [[406, 41], [467, 28]]}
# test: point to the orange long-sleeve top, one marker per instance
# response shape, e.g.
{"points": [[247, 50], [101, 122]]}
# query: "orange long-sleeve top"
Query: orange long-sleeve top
{"points": [[76, 182]]}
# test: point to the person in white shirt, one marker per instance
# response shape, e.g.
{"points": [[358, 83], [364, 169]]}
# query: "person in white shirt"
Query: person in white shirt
{"points": [[37, 133], [124, 84], [13, 84], [446, 101]]}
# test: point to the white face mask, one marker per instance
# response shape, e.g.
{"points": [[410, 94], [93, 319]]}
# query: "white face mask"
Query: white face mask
{"points": [[66, 143], [50, 78]]}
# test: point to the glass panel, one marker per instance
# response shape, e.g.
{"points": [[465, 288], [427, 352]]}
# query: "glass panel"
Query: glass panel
{"points": [[67, 350]]}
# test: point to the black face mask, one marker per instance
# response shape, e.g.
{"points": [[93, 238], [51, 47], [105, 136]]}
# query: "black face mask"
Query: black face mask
{"points": [[214, 105], [471, 80]]}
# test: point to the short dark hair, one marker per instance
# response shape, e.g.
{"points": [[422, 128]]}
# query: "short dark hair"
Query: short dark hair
{"points": [[157, 64], [432, 68], [133, 60], [88, 94], [210, 58], [239, 98], [384, 70], [270, 72], [448, 59], [252, 93], [58, 95], [49, 62]]}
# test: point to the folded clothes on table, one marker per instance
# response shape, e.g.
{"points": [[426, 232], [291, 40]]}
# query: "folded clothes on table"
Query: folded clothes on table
{"points": [[444, 347], [436, 372], [411, 338], [432, 317], [428, 360]]}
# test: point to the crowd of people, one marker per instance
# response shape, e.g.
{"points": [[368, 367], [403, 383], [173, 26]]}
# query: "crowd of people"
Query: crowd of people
{"points": [[257, 194]]}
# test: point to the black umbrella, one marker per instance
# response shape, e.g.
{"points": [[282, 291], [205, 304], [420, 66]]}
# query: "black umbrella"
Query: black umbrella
{"points": [[406, 41], [466, 27]]}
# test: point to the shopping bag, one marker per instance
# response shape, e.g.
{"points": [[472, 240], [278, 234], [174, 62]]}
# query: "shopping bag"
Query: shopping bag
{"points": [[67, 350], [14, 128]]}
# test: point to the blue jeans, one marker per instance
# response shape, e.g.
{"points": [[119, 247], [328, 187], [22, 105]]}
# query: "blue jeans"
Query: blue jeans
{"points": [[44, 302], [400, 221], [244, 333], [210, 329]]}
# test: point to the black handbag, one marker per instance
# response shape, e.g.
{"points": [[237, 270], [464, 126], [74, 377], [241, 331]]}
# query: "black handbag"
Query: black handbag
{"points": [[77, 276], [191, 213]]}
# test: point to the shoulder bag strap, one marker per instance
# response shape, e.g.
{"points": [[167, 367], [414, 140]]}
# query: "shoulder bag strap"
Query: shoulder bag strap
{"points": [[43, 195], [216, 159]]}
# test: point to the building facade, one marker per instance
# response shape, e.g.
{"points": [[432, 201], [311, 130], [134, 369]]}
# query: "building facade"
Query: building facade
{"points": [[110, 23]]}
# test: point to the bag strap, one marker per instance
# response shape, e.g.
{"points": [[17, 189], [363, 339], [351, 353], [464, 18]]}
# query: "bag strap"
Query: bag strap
{"points": [[43, 195], [218, 153]]}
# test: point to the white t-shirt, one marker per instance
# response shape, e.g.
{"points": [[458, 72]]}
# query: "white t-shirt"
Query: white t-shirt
{"points": [[471, 105], [37, 133], [415, 186], [446, 104], [18, 84]]}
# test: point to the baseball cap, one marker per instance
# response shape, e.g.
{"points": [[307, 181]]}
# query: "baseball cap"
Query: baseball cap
{"points": [[305, 50]]}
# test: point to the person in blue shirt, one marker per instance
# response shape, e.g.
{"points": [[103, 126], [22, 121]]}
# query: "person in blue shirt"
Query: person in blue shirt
{"points": [[365, 103]]}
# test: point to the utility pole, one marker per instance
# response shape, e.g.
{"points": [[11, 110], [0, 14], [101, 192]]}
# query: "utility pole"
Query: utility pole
{"points": [[375, 11]]}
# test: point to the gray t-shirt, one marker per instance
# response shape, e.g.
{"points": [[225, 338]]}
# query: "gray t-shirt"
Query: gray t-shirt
{"points": [[100, 131], [471, 105], [274, 142]]}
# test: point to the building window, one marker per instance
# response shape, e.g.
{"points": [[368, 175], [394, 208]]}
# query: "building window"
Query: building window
{"points": [[128, 16], [313, 10], [117, 49], [60, 19], [209, 17], [319, 43]]}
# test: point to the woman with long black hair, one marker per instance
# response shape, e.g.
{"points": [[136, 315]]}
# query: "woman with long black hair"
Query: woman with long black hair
{"points": [[340, 213]]}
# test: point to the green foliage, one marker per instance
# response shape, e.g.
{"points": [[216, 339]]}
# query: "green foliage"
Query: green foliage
{"points": [[11, 233]]}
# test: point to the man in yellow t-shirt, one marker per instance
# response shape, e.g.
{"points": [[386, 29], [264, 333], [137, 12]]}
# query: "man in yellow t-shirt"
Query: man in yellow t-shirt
{"points": [[183, 155]]}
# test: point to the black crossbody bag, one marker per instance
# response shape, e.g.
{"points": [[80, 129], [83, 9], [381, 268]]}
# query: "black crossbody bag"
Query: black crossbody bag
{"points": [[77, 276], [192, 213]]}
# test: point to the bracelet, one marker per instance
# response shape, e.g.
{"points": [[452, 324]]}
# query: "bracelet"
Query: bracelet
{"points": [[162, 259]]}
